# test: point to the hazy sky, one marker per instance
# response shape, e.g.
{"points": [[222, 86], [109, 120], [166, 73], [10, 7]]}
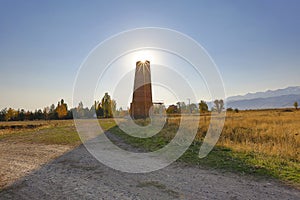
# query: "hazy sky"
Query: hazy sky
{"points": [[255, 44]]}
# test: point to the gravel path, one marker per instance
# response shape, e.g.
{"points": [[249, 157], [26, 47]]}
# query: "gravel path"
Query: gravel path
{"points": [[19, 159], [77, 175]]}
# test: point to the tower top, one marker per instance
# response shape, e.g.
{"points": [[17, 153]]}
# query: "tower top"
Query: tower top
{"points": [[143, 62]]}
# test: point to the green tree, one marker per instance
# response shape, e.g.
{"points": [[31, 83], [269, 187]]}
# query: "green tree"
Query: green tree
{"points": [[296, 105], [113, 106], [52, 112], [181, 106], [172, 109], [3, 114], [99, 110], [83, 112], [29, 115], [193, 108], [203, 107], [80, 113], [38, 114], [46, 111], [229, 109], [22, 115], [106, 105], [219, 105]]}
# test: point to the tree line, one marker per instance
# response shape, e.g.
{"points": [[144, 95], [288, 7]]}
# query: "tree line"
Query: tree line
{"points": [[106, 108], [202, 107], [218, 106], [101, 109]]}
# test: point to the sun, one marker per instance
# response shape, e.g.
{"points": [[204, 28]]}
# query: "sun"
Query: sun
{"points": [[143, 56]]}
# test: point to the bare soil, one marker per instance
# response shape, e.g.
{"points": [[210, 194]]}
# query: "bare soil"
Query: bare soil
{"points": [[18, 159]]}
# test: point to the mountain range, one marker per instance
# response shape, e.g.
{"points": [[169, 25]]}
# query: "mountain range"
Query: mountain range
{"points": [[280, 98]]}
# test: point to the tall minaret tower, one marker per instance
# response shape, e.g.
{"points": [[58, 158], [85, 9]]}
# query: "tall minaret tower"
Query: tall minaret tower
{"points": [[142, 92]]}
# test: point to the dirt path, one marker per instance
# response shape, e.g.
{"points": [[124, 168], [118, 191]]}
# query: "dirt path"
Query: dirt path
{"points": [[18, 159], [77, 175]]}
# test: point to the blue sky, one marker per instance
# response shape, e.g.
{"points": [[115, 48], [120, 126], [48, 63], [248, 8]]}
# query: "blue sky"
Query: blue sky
{"points": [[255, 44]]}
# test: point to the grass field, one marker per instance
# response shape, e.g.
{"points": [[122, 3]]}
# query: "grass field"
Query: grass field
{"points": [[263, 143], [43, 132]]}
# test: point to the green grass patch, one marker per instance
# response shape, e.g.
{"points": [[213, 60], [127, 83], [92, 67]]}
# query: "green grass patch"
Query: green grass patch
{"points": [[54, 133], [107, 124], [64, 135]]}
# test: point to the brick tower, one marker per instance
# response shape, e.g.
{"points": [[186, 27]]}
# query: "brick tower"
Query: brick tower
{"points": [[142, 93]]}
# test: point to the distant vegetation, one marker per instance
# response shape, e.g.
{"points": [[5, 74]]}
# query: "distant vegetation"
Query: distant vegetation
{"points": [[103, 109], [106, 108], [192, 108], [203, 107]]}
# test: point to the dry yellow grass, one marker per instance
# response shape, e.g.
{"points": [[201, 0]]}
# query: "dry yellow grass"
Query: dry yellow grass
{"points": [[266, 141], [273, 132], [269, 132], [13, 127]]}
